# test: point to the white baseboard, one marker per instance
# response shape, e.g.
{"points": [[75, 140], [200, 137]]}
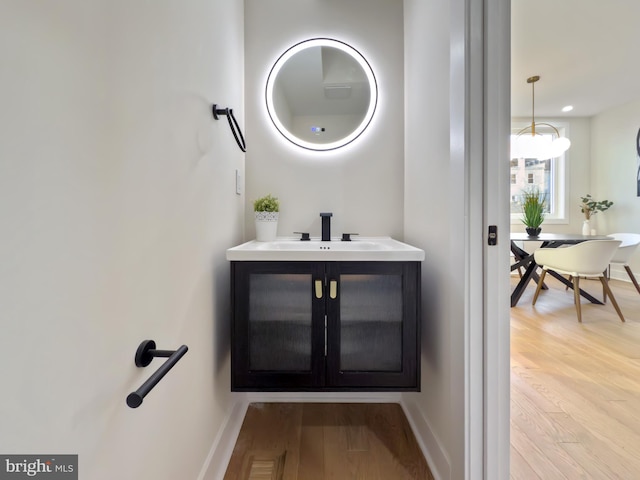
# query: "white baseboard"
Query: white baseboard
{"points": [[216, 463], [428, 442]]}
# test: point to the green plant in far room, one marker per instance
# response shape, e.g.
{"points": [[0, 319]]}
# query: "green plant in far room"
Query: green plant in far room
{"points": [[534, 204], [590, 207], [266, 210]]}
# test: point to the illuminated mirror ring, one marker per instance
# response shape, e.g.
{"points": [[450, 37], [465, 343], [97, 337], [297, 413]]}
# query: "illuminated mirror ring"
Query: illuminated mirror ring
{"points": [[321, 94]]}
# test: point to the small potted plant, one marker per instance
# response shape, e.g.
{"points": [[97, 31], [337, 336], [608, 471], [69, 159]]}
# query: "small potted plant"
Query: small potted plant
{"points": [[589, 207], [266, 210], [533, 210]]}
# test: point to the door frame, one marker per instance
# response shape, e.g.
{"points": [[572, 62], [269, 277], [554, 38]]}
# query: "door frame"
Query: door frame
{"points": [[490, 189], [482, 117]]}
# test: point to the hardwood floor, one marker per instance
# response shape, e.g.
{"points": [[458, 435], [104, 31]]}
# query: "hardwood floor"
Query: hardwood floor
{"points": [[318, 441], [575, 387]]}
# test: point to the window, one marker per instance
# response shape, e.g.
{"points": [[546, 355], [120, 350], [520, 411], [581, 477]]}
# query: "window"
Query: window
{"points": [[549, 176]]}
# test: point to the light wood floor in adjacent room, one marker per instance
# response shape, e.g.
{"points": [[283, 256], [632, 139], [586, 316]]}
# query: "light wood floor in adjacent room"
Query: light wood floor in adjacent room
{"points": [[575, 388], [318, 441]]}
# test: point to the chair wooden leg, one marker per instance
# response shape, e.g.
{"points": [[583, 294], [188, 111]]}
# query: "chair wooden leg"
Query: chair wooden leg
{"points": [[604, 291], [605, 286], [576, 297], [632, 277], [566, 287], [539, 287]]}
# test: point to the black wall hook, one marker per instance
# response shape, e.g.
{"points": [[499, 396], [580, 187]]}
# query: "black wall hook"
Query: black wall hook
{"points": [[233, 124]]}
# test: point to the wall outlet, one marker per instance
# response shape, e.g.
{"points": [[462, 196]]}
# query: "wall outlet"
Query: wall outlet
{"points": [[238, 183]]}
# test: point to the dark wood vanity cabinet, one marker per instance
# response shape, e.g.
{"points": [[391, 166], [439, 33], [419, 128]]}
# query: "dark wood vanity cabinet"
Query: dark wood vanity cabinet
{"points": [[325, 326]]}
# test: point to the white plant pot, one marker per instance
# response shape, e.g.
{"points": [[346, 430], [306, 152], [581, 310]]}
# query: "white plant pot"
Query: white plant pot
{"points": [[266, 226], [586, 227]]}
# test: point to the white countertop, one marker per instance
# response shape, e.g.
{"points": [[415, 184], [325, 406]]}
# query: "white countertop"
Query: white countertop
{"points": [[372, 249]]}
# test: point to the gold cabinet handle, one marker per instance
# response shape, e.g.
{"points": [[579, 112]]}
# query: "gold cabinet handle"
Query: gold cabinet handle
{"points": [[333, 289], [318, 288]]}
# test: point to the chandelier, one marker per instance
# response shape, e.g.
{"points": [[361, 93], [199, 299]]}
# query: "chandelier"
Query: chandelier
{"points": [[529, 143]]}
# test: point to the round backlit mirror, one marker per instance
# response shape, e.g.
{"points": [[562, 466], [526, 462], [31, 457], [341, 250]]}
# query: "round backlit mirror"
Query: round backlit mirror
{"points": [[321, 94]]}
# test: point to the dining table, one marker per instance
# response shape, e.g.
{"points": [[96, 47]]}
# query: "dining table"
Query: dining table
{"points": [[525, 259]]}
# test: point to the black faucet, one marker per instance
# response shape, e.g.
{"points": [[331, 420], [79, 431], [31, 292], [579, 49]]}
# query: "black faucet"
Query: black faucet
{"points": [[326, 226]]}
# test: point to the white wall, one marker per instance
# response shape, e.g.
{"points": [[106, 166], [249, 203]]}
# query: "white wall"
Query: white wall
{"points": [[117, 200], [435, 221], [614, 167], [362, 184]]}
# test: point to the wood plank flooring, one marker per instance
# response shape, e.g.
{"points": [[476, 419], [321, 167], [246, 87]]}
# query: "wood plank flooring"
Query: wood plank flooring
{"points": [[575, 387], [320, 441]]}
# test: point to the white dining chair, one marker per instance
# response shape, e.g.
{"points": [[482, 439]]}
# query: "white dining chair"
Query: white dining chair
{"points": [[630, 242], [586, 259]]}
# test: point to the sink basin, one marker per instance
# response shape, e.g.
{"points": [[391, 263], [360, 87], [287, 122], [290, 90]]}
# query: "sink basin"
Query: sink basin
{"points": [[384, 249]]}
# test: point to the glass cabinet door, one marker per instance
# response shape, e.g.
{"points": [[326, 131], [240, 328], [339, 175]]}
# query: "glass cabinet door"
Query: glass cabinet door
{"points": [[277, 329], [280, 315], [373, 327], [371, 323]]}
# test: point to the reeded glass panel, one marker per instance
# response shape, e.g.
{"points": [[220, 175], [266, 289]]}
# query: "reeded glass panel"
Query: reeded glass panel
{"points": [[280, 322], [371, 323]]}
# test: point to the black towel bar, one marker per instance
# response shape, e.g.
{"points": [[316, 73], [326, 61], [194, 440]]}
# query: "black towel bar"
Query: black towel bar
{"points": [[145, 353], [233, 124]]}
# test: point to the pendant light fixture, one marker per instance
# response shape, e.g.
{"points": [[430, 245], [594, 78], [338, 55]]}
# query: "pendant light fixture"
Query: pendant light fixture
{"points": [[530, 143]]}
